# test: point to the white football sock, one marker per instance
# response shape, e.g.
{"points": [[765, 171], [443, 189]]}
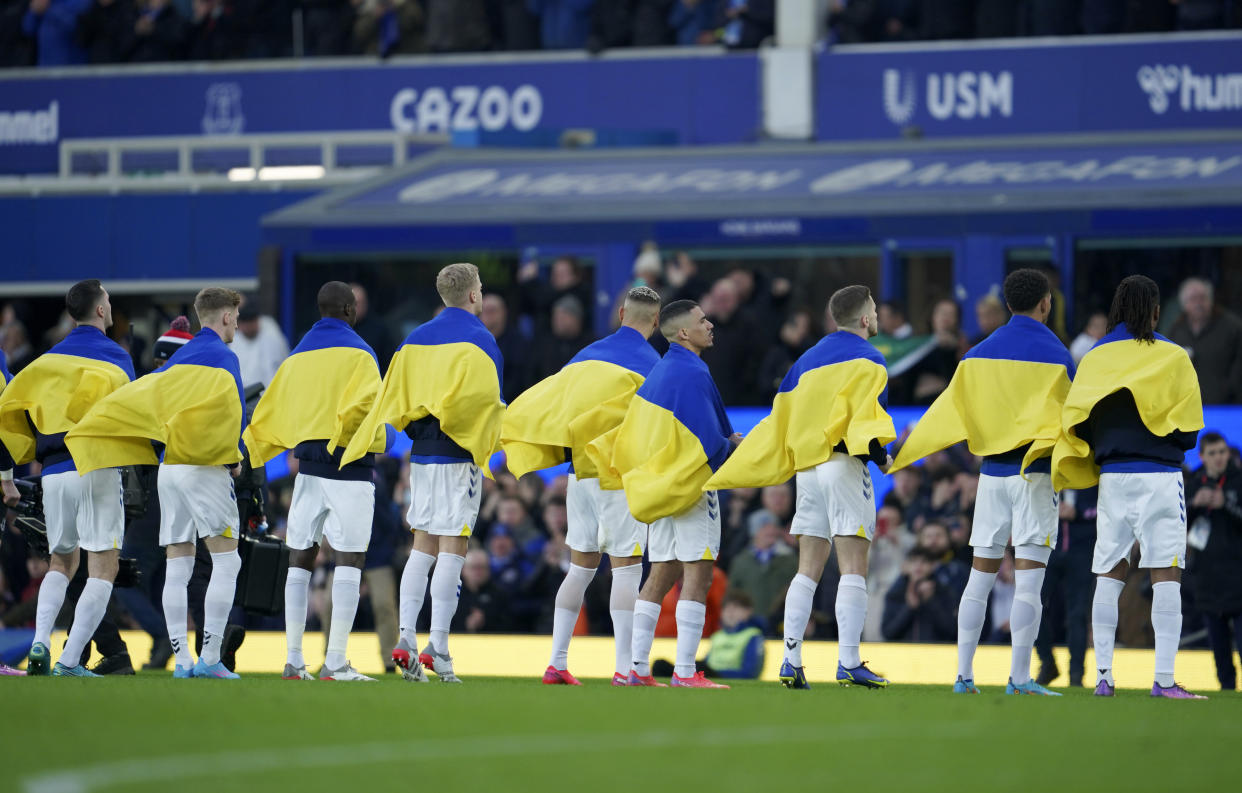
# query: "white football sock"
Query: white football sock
{"points": [[798, 601], [176, 599], [1166, 620], [625, 584], [971, 614], [413, 590], [646, 615], [445, 589], [565, 616], [690, 618], [218, 602], [1024, 619], [345, 583], [1104, 624], [297, 593], [91, 606], [51, 598], [851, 614]]}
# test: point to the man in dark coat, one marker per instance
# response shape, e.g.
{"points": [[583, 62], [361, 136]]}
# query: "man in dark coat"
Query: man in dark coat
{"points": [[1212, 337], [1214, 515]]}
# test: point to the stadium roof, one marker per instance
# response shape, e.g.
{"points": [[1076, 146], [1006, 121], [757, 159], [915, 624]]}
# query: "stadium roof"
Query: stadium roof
{"points": [[757, 189]]}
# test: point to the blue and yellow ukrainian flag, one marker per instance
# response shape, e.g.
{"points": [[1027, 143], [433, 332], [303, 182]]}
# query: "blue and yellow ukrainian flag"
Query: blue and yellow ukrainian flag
{"points": [[674, 436], [448, 368], [322, 391], [584, 400], [56, 390], [6, 459], [836, 391], [192, 405], [1159, 375], [1006, 393]]}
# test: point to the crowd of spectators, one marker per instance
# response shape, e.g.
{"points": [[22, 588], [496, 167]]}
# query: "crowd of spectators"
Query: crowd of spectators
{"points": [[67, 32], [920, 557], [857, 21]]}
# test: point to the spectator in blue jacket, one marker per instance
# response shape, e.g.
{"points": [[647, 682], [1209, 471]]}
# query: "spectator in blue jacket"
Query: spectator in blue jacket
{"points": [[564, 24], [52, 24], [693, 21], [509, 566]]}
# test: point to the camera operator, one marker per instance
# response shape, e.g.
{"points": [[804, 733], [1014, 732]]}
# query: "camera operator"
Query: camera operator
{"points": [[1214, 515], [8, 491], [9, 494]]}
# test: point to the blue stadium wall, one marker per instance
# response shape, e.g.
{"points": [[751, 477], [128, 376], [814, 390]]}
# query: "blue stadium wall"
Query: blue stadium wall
{"points": [[135, 236]]}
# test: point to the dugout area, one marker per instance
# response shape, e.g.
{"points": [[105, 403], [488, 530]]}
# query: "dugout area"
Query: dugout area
{"points": [[915, 220]]}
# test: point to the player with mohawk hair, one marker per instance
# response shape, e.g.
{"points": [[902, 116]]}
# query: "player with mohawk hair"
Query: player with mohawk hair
{"points": [[554, 420]]}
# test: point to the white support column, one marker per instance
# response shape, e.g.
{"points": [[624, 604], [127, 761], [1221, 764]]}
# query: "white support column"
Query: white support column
{"points": [[800, 23], [788, 70]]}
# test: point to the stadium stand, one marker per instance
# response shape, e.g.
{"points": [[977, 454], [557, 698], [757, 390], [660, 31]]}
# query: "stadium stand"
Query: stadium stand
{"points": [[926, 171]]}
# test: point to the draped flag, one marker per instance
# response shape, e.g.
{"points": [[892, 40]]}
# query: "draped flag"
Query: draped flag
{"points": [[192, 405], [448, 368], [835, 392], [6, 459], [56, 390], [674, 436], [1159, 375], [584, 400], [1006, 393], [322, 391]]}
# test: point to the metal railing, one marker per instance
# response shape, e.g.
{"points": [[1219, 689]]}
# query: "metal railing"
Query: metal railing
{"points": [[327, 144]]}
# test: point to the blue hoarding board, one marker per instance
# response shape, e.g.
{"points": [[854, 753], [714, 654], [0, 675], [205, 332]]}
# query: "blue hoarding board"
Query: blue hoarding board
{"points": [[602, 181], [681, 95], [1107, 85], [205, 235]]}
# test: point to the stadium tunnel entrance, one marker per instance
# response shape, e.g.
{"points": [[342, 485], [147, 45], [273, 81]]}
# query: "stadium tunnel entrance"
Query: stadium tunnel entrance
{"points": [[917, 221]]}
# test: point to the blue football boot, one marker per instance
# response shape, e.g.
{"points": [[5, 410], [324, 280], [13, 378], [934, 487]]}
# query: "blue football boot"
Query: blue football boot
{"points": [[793, 676], [217, 670], [60, 670], [1029, 687], [860, 676], [965, 686]]}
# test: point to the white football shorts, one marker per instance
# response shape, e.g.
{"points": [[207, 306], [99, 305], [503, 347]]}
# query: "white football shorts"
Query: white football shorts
{"points": [[1148, 507], [340, 511], [84, 511], [1012, 509], [600, 520], [196, 501], [445, 498], [835, 499], [692, 536]]}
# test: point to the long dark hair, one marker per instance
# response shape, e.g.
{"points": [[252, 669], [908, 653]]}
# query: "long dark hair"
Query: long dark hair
{"points": [[1135, 302]]}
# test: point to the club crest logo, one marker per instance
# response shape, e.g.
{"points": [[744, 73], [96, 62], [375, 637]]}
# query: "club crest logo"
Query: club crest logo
{"points": [[223, 114]]}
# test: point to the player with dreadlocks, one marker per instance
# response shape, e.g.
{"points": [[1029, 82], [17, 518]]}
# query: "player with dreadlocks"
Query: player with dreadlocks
{"points": [[1132, 413]]}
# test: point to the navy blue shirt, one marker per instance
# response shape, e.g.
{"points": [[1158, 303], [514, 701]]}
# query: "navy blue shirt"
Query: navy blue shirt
{"points": [[1124, 445]]}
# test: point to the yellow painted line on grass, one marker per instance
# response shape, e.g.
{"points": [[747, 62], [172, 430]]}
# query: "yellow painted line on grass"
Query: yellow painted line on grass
{"points": [[594, 657]]}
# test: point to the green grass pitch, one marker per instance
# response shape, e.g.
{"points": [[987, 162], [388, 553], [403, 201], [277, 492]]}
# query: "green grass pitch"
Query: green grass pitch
{"points": [[151, 733]]}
